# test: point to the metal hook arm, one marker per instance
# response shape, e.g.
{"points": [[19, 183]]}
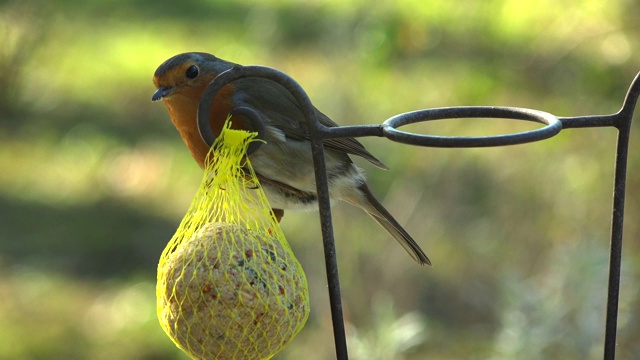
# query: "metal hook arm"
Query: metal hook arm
{"points": [[318, 133], [204, 110]]}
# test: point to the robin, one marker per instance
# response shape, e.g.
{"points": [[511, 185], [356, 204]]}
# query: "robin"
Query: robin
{"points": [[283, 164]]}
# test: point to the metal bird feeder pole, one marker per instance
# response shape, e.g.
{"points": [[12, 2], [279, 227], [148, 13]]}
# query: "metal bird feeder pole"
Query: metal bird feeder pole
{"points": [[389, 129]]}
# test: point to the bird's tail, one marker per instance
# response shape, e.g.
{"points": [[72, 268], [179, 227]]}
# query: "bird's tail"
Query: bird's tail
{"points": [[375, 209]]}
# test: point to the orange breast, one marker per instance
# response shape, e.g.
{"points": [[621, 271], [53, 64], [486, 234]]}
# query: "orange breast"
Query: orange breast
{"points": [[183, 109]]}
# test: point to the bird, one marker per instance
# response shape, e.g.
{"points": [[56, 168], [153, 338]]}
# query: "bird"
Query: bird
{"points": [[283, 163]]}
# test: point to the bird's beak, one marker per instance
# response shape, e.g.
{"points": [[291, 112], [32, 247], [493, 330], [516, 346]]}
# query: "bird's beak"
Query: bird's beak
{"points": [[161, 93]]}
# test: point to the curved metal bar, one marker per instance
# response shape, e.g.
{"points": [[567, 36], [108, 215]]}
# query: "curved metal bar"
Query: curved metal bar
{"points": [[553, 126], [256, 124], [625, 115], [239, 72], [204, 109], [315, 131]]}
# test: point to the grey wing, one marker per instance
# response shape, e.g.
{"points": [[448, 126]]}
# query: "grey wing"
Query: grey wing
{"points": [[284, 110]]}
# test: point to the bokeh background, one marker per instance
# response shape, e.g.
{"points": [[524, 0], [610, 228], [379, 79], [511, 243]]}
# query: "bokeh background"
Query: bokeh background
{"points": [[94, 179]]}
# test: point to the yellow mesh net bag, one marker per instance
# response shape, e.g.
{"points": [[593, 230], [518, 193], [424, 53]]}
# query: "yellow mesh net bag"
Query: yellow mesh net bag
{"points": [[229, 286]]}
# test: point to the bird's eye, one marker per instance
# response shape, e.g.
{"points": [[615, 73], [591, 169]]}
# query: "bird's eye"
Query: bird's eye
{"points": [[192, 72]]}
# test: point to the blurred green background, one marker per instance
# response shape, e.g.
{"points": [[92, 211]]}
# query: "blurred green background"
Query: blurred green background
{"points": [[94, 179]]}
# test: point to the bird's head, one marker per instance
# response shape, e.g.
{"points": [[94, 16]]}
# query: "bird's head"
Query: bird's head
{"points": [[187, 74]]}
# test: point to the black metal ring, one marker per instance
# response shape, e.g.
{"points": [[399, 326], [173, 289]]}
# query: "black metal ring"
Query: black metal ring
{"points": [[390, 131]]}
